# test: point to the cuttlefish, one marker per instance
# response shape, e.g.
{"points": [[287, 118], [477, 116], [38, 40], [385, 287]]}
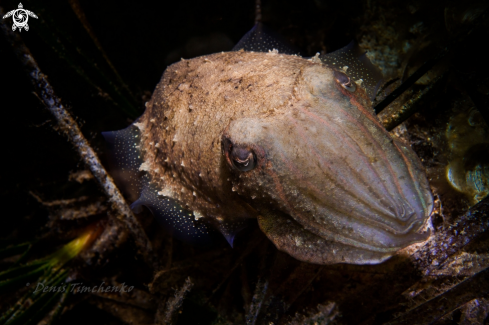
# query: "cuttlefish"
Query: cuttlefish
{"points": [[260, 132]]}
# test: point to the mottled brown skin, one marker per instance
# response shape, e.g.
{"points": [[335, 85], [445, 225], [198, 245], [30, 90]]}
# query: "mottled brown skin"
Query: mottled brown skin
{"points": [[330, 184], [193, 104]]}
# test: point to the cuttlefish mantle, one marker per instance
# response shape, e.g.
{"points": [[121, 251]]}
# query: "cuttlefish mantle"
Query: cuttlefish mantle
{"points": [[290, 141]]}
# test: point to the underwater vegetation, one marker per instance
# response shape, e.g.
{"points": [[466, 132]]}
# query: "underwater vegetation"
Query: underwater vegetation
{"points": [[103, 69]]}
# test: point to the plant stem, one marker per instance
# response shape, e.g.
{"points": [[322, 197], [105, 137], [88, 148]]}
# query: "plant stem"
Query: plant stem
{"points": [[70, 129]]}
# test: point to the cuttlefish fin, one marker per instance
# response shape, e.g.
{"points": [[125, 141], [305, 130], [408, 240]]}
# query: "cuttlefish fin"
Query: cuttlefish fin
{"points": [[230, 228], [180, 222], [353, 61], [262, 39], [125, 158]]}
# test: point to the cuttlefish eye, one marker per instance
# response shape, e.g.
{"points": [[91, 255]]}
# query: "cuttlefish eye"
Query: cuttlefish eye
{"points": [[344, 81], [241, 157]]}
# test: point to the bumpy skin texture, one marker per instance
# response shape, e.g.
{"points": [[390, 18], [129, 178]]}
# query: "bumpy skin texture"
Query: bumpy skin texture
{"points": [[330, 184]]}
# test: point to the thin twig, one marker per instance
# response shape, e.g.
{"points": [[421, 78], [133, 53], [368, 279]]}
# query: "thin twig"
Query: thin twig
{"points": [[77, 9], [173, 305], [414, 104], [57, 203], [238, 262], [434, 309], [443, 244], [410, 81], [70, 129], [258, 298]]}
